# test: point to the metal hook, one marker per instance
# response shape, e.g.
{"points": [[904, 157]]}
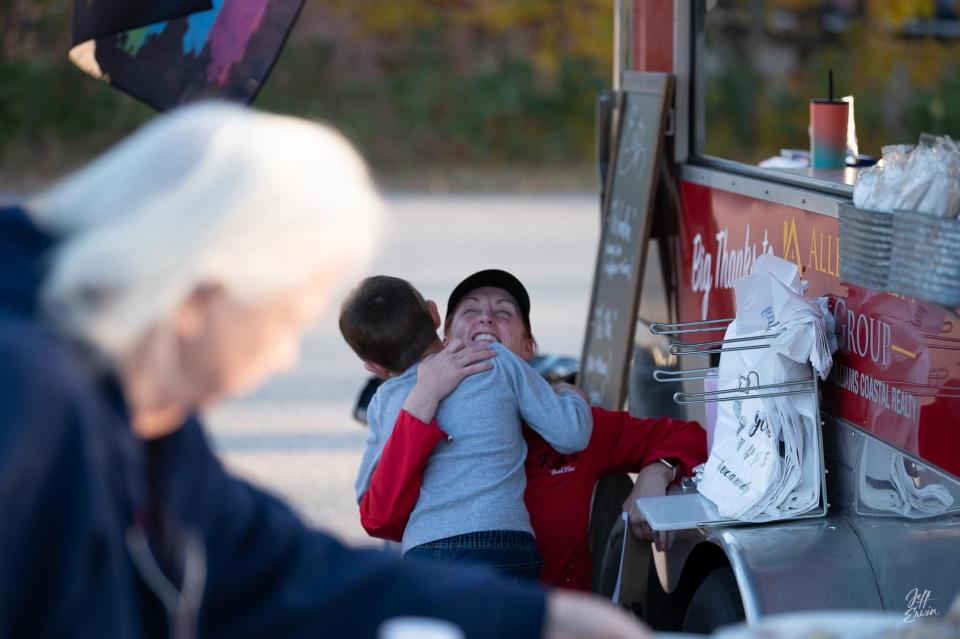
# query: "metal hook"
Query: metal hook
{"points": [[718, 346], [685, 376], [733, 394], [664, 328]]}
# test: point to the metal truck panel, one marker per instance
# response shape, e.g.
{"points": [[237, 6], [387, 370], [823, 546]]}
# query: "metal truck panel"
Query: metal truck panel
{"points": [[803, 565]]}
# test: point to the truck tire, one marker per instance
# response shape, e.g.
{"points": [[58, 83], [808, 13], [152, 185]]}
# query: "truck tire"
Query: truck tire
{"points": [[715, 603]]}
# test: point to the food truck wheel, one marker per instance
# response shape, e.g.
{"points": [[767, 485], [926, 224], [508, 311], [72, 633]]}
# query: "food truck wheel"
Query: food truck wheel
{"points": [[715, 603]]}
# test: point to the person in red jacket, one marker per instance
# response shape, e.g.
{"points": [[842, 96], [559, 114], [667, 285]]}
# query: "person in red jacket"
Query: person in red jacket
{"points": [[559, 487]]}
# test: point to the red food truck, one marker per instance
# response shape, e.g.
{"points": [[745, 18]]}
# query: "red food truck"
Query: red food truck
{"points": [[890, 409]]}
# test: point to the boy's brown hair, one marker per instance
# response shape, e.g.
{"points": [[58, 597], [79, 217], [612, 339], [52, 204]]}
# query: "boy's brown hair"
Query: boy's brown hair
{"points": [[386, 321]]}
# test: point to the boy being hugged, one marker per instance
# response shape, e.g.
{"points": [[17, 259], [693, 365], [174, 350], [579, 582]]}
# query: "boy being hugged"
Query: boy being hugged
{"points": [[470, 506]]}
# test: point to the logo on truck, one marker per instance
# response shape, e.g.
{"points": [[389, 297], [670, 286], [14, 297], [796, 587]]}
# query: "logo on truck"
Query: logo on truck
{"points": [[732, 263]]}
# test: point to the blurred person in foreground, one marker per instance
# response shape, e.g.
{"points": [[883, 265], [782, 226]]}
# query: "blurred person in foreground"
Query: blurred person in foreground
{"points": [[179, 268]]}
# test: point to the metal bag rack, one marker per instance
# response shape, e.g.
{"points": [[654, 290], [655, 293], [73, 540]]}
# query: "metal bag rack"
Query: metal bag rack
{"points": [[749, 386]]}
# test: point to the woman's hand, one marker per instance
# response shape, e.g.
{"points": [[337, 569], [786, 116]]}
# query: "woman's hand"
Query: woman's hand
{"points": [[438, 374], [651, 482]]}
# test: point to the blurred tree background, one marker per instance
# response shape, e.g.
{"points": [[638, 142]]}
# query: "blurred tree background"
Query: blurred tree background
{"points": [[506, 88], [419, 85], [765, 59], [52, 115]]}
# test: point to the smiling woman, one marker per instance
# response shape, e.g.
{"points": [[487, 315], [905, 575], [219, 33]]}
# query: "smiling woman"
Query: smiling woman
{"points": [[471, 507], [488, 315], [486, 305]]}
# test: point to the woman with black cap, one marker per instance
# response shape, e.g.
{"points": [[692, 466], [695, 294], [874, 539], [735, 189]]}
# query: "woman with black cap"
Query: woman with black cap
{"points": [[470, 508], [559, 486]]}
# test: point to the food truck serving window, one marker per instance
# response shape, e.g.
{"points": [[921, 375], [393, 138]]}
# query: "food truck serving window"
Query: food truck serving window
{"points": [[760, 62]]}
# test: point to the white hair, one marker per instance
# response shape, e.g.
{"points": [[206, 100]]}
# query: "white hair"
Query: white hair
{"points": [[209, 194]]}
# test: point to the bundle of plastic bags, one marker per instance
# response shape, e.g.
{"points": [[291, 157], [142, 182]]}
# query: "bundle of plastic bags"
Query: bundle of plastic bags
{"points": [[923, 178], [765, 460]]}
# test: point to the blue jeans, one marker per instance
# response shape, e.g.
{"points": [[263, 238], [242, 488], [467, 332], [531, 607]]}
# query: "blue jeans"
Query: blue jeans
{"points": [[511, 554]]}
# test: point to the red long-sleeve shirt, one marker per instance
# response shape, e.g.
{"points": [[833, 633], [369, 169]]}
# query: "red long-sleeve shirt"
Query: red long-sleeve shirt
{"points": [[559, 487]]}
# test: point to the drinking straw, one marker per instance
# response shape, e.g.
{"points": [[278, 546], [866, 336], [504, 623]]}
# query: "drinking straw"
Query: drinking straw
{"points": [[830, 82]]}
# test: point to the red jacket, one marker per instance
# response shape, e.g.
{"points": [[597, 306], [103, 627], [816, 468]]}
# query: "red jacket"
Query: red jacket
{"points": [[559, 487]]}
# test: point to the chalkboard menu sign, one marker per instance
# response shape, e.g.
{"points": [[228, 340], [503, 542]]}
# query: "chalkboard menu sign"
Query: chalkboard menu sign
{"points": [[622, 254]]}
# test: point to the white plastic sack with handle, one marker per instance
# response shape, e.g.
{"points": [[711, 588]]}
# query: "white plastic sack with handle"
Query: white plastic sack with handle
{"points": [[771, 298]]}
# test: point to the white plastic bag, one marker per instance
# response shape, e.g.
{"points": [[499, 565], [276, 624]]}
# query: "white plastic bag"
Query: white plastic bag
{"points": [[744, 464], [924, 178], [878, 188], [764, 462], [772, 296]]}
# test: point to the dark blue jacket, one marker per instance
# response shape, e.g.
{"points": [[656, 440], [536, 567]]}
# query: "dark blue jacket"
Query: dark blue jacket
{"points": [[77, 488]]}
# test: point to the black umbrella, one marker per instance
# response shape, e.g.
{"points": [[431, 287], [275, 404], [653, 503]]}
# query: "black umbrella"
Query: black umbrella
{"points": [[167, 53]]}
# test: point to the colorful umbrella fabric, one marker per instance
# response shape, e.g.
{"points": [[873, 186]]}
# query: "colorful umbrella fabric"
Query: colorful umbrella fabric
{"points": [[186, 50]]}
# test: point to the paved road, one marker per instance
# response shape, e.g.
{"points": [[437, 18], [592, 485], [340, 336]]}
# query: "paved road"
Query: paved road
{"points": [[296, 436]]}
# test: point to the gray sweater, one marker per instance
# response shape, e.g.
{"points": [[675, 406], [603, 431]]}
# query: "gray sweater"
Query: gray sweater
{"points": [[475, 481]]}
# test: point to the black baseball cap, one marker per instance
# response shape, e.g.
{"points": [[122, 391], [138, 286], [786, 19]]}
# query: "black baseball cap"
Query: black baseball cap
{"points": [[496, 278]]}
